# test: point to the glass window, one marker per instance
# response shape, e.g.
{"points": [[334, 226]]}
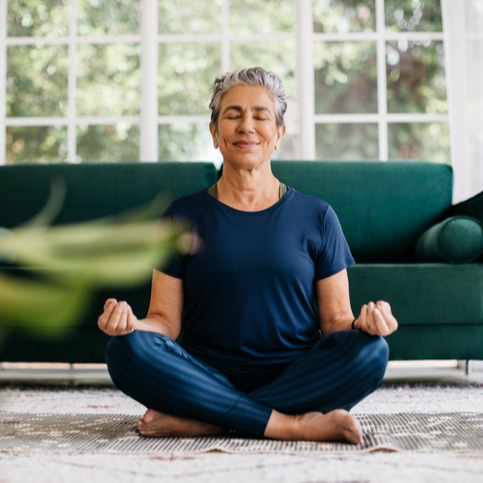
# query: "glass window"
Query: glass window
{"points": [[413, 16], [108, 80], [257, 17], [278, 57], [37, 81], [420, 141], [347, 141], [339, 16], [44, 144], [190, 17], [416, 77], [105, 17], [173, 145], [345, 77], [186, 72], [38, 18], [108, 143], [76, 88]]}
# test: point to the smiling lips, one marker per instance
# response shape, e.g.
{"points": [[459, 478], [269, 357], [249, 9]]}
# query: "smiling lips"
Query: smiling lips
{"points": [[245, 144]]}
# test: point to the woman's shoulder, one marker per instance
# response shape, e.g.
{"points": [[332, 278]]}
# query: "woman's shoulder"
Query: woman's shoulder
{"points": [[308, 201], [188, 204]]}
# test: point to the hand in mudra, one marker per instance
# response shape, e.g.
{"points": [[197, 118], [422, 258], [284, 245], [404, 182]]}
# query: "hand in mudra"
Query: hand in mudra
{"points": [[117, 318], [376, 319]]}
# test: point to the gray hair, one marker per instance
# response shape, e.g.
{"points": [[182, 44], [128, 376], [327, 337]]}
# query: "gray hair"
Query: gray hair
{"points": [[252, 76]]}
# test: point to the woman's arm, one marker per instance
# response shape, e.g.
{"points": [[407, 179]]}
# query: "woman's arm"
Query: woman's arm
{"points": [[164, 313], [335, 311]]}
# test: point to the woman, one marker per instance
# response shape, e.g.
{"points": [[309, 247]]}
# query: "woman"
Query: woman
{"points": [[270, 346]]}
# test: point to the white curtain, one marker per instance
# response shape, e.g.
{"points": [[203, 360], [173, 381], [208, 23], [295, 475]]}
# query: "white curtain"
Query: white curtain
{"points": [[463, 27]]}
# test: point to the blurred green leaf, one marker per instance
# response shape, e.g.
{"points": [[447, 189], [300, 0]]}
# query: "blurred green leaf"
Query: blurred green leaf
{"points": [[58, 268], [43, 308]]}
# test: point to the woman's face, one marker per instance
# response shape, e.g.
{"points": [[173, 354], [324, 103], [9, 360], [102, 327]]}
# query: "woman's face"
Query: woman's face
{"points": [[247, 131]]}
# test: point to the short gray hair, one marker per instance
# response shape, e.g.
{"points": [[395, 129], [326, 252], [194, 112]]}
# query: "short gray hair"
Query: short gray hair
{"points": [[252, 76]]}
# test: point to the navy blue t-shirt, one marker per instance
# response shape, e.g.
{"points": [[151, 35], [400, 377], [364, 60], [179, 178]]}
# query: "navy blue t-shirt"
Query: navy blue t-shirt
{"points": [[249, 287]]}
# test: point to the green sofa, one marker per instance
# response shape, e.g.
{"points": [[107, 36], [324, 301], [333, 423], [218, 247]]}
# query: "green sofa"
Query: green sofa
{"points": [[412, 246]]}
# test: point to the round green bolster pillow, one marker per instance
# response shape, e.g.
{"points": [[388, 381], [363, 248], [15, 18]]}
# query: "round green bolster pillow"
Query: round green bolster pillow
{"points": [[458, 239]]}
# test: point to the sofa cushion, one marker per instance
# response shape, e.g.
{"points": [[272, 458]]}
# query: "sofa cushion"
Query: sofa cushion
{"points": [[435, 294], [383, 207], [96, 190], [457, 239]]}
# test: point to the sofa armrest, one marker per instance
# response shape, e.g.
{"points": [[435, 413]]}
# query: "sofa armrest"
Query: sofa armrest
{"points": [[456, 239]]}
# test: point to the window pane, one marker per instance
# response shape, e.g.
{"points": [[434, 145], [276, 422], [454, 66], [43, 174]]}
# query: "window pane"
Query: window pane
{"points": [[261, 16], [416, 77], [345, 77], [189, 17], [112, 143], [343, 16], [288, 149], [101, 17], [108, 80], [186, 73], [420, 141], [186, 142], [38, 18], [413, 15], [44, 144], [36, 81], [346, 141], [276, 56]]}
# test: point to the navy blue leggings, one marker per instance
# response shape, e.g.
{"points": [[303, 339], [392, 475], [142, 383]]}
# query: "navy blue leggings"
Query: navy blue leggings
{"points": [[338, 372]]}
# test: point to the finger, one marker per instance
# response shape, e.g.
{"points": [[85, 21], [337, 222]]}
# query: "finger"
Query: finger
{"points": [[121, 326], [109, 303], [112, 320], [386, 311], [371, 322], [103, 319], [380, 325]]}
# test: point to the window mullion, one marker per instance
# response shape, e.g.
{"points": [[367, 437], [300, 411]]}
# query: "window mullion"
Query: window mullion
{"points": [[382, 81], [454, 27], [148, 148], [3, 81], [305, 79], [72, 85], [225, 41]]}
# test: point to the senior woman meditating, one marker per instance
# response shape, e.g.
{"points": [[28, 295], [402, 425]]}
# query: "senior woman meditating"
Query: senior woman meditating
{"points": [[270, 346]]}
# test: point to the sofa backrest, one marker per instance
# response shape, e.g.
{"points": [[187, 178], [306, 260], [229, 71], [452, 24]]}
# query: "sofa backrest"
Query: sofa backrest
{"points": [[383, 207], [96, 190]]}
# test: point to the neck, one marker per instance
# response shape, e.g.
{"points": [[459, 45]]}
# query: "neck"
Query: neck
{"points": [[248, 190]]}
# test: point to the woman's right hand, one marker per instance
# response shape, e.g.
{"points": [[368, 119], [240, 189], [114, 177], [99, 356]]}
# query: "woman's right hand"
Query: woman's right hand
{"points": [[117, 318]]}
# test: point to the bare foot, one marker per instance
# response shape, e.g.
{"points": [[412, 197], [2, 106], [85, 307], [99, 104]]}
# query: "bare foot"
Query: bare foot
{"points": [[337, 425], [154, 423]]}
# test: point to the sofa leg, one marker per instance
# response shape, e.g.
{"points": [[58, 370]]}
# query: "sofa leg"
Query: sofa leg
{"points": [[468, 368]]}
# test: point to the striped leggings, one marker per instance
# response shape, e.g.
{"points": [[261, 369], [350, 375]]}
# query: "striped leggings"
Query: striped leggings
{"points": [[338, 372]]}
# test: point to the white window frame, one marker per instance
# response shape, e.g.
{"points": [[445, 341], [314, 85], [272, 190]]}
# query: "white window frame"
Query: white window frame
{"points": [[301, 121]]}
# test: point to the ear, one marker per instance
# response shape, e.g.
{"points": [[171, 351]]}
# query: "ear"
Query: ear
{"points": [[279, 136], [214, 133]]}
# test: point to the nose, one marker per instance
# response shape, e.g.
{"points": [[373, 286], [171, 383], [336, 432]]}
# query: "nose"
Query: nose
{"points": [[246, 124]]}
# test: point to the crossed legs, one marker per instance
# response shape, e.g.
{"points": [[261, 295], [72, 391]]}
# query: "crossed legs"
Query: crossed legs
{"points": [[308, 401]]}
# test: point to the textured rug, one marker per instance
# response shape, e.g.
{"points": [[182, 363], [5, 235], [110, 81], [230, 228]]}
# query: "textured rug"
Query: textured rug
{"points": [[94, 433]]}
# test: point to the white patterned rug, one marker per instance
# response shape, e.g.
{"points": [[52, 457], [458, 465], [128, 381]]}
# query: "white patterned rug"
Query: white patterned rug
{"points": [[24, 433]]}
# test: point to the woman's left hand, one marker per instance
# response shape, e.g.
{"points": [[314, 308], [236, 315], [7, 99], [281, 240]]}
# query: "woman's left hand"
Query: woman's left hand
{"points": [[376, 319]]}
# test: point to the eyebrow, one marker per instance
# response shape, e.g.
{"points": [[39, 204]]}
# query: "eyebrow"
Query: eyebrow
{"points": [[240, 109]]}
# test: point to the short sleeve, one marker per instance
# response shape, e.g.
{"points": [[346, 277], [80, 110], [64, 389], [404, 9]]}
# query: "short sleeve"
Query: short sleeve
{"points": [[334, 253], [174, 266]]}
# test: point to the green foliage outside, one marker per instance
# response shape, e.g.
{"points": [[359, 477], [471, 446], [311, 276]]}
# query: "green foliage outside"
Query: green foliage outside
{"points": [[108, 78]]}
